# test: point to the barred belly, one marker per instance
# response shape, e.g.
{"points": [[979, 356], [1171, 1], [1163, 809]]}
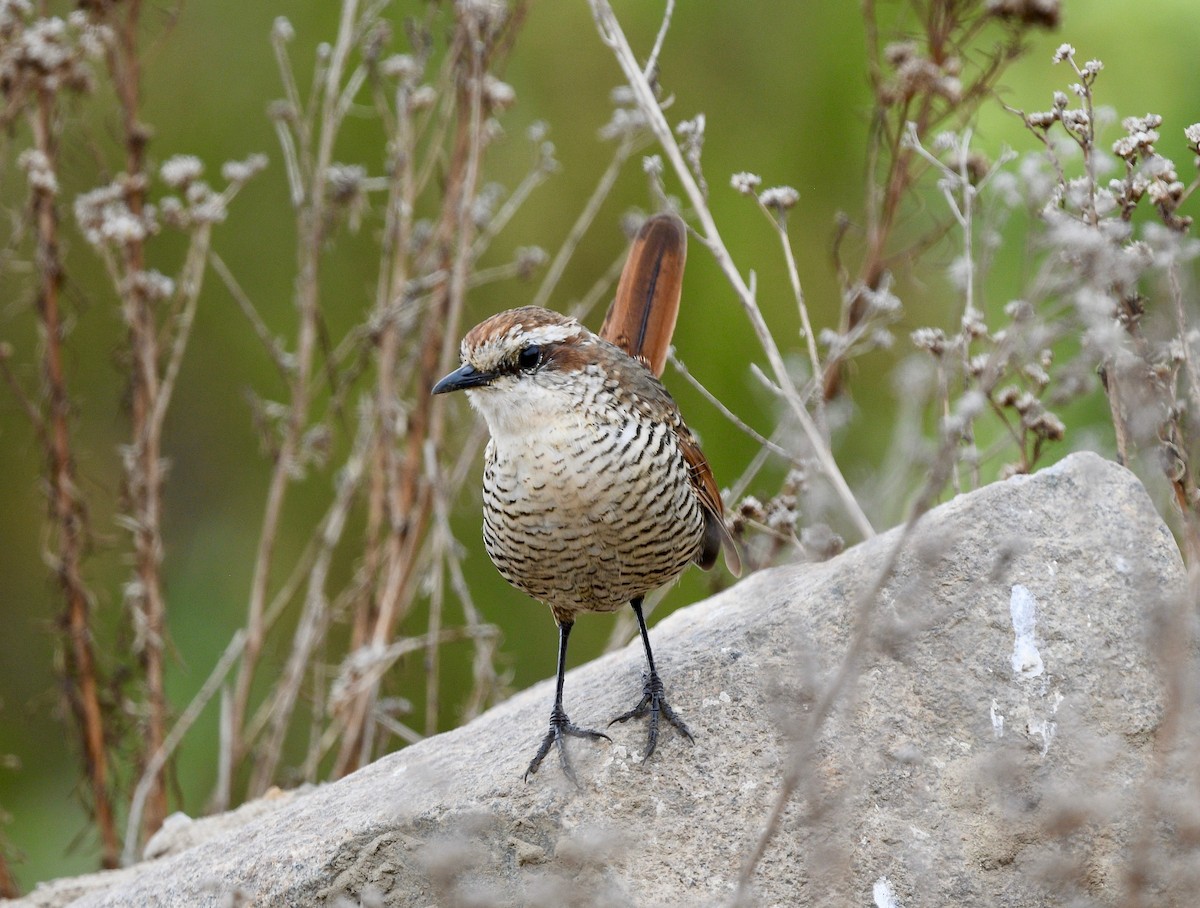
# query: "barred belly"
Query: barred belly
{"points": [[586, 521]]}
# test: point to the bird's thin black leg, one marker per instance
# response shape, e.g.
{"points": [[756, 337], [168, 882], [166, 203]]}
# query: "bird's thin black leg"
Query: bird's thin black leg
{"points": [[653, 700], [560, 725]]}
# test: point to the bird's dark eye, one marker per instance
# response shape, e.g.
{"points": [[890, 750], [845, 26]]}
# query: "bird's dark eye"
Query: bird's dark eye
{"points": [[529, 358]]}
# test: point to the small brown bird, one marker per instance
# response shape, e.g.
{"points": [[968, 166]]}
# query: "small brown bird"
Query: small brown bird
{"points": [[594, 490]]}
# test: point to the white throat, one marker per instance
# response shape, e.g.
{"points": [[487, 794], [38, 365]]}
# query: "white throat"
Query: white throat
{"points": [[513, 415]]}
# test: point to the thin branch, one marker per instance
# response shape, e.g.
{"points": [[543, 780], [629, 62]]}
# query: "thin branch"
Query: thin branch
{"points": [[729, 414], [80, 673], [591, 208], [188, 291], [614, 37], [314, 619], [278, 355], [159, 758]]}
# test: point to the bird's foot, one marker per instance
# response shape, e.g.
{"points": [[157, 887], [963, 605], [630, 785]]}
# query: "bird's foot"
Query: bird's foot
{"points": [[652, 704], [561, 726]]}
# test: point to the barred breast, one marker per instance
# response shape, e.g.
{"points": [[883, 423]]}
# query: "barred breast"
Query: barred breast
{"points": [[592, 512]]}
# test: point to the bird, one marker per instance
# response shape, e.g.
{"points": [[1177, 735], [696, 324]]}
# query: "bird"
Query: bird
{"points": [[595, 492]]}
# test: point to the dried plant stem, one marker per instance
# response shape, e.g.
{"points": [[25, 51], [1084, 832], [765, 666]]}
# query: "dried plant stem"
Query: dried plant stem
{"points": [[591, 208], [1182, 327], [1183, 485], [159, 758], [810, 338], [956, 27], [68, 513], [614, 37], [143, 463], [312, 215], [436, 605], [268, 340], [315, 617], [765, 442], [394, 308], [8, 886], [483, 635], [408, 501]]}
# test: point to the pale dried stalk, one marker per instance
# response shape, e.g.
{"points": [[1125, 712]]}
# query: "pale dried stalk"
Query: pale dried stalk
{"points": [[315, 617], [741, 424], [437, 347], [278, 356], [810, 337], [394, 313], [1183, 326], [187, 297], [158, 760], [143, 464], [312, 215], [149, 790], [613, 36], [445, 554], [591, 208]]}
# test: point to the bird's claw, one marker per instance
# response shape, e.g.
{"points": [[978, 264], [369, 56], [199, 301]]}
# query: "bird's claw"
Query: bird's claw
{"points": [[653, 703], [561, 726]]}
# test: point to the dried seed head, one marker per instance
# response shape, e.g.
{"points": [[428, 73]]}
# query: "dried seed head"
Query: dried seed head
{"points": [[245, 170], [282, 30], [748, 183], [931, 339], [496, 94], [39, 171], [779, 198], [181, 170]]}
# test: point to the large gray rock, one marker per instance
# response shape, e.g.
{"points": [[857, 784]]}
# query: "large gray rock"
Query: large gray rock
{"points": [[991, 741]]}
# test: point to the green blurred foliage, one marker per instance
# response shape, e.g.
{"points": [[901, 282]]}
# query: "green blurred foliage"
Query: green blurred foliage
{"points": [[784, 90]]}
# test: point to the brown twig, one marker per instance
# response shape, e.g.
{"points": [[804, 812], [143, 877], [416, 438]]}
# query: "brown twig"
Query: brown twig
{"points": [[409, 502], [8, 885], [68, 513], [314, 620], [143, 464], [927, 103]]}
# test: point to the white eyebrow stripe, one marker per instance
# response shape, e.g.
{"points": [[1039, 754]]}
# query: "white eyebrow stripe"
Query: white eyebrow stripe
{"points": [[547, 334]]}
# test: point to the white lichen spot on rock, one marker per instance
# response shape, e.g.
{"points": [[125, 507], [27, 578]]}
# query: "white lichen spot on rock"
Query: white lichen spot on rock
{"points": [[1044, 729], [1026, 660], [997, 720], [618, 754], [885, 896]]}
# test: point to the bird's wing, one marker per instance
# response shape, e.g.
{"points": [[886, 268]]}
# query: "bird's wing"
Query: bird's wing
{"points": [[716, 533]]}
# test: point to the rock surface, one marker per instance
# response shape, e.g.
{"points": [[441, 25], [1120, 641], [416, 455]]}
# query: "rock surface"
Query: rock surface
{"points": [[991, 742]]}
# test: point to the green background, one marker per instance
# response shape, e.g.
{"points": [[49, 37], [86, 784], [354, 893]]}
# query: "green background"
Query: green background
{"points": [[784, 90]]}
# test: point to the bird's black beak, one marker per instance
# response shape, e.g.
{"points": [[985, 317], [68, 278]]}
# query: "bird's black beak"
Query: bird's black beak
{"points": [[465, 376]]}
